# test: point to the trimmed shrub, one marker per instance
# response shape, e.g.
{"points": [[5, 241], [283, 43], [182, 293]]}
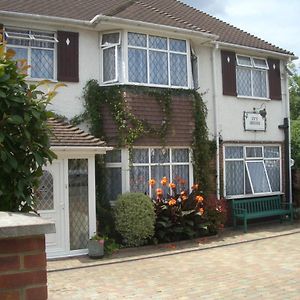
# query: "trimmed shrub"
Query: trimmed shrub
{"points": [[134, 218]]}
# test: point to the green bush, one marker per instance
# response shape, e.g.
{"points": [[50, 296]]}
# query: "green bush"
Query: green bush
{"points": [[24, 135], [134, 218]]}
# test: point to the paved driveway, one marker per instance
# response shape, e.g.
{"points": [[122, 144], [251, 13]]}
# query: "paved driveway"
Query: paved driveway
{"points": [[260, 269]]}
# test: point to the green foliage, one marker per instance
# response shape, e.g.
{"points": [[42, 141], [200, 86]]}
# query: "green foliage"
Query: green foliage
{"points": [[180, 215], [135, 218], [24, 141], [295, 141]]}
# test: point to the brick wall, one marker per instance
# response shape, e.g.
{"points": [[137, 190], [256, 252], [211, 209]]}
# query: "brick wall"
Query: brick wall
{"points": [[23, 268]]}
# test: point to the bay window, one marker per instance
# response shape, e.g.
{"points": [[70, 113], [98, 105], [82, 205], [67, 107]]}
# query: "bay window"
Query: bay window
{"points": [[252, 76], [252, 170], [149, 60], [37, 48]]}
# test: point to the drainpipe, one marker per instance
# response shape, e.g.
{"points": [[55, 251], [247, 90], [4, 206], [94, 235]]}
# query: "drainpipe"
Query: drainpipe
{"points": [[216, 119]]}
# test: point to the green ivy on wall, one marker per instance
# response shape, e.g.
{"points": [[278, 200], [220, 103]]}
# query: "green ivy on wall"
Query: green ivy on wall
{"points": [[131, 128]]}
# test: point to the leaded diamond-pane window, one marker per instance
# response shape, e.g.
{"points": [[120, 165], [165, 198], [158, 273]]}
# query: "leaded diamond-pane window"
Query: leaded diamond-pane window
{"points": [[251, 76], [109, 64], [157, 42], [180, 155], [140, 156], [110, 38], [178, 45], [139, 178], [137, 60], [252, 170], [78, 203], [137, 39], [37, 47], [158, 67], [45, 192], [178, 65]]}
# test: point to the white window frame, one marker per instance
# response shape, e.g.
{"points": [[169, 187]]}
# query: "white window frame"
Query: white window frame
{"points": [[246, 159], [124, 78], [108, 46], [34, 37], [125, 166], [252, 68]]}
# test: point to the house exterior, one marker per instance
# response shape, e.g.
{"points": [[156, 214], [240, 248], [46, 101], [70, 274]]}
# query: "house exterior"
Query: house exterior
{"points": [[165, 44]]}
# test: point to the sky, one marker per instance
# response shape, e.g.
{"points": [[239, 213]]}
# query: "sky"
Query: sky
{"points": [[275, 21]]}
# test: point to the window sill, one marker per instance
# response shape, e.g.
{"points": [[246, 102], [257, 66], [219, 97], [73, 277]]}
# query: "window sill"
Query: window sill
{"points": [[146, 85], [253, 98], [29, 79], [253, 195]]}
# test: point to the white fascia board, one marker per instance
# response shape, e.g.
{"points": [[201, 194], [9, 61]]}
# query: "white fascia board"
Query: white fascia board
{"points": [[80, 150], [225, 46]]}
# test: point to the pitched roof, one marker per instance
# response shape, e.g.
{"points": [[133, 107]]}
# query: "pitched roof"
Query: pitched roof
{"points": [[168, 12], [64, 134]]}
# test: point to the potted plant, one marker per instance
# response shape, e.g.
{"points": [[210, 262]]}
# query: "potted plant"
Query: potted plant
{"points": [[96, 246]]}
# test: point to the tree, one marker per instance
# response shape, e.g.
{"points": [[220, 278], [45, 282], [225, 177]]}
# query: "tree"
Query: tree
{"points": [[24, 135]]}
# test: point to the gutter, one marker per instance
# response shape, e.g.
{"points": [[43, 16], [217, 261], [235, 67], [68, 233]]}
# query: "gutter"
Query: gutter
{"points": [[93, 149], [269, 52]]}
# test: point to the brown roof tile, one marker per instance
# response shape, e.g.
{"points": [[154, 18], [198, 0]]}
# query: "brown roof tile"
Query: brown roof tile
{"points": [[64, 134], [167, 12]]}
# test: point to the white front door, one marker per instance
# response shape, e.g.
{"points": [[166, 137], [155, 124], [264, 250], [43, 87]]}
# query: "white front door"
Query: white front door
{"points": [[51, 205]]}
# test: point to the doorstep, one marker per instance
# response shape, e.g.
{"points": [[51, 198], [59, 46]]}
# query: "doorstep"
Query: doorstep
{"points": [[228, 237]]}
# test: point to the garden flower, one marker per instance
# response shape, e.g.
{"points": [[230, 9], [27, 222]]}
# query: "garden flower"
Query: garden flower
{"points": [[159, 192], [195, 187], [182, 181], [172, 202], [152, 182], [172, 185], [201, 211], [199, 198], [164, 181], [183, 195]]}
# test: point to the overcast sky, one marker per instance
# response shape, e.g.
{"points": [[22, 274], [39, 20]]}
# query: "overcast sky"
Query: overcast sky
{"points": [[276, 21]]}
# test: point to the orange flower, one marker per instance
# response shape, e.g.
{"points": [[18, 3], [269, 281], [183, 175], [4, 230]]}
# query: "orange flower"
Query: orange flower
{"points": [[172, 185], [164, 181], [195, 187], [159, 192], [201, 211], [172, 202], [152, 182], [182, 181], [199, 198], [183, 195]]}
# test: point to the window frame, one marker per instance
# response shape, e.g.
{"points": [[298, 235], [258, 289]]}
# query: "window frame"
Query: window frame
{"points": [[123, 78], [125, 166], [246, 159], [34, 37], [252, 68]]}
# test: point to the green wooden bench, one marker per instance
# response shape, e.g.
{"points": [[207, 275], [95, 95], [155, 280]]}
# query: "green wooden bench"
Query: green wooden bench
{"points": [[253, 208]]}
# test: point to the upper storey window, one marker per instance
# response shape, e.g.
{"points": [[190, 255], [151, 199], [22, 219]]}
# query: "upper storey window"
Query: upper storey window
{"points": [[37, 48], [145, 59], [251, 76]]}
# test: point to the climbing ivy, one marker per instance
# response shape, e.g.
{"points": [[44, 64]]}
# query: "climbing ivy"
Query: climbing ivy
{"points": [[131, 128]]}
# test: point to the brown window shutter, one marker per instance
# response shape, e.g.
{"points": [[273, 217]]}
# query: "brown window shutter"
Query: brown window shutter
{"points": [[274, 79], [67, 56], [229, 73]]}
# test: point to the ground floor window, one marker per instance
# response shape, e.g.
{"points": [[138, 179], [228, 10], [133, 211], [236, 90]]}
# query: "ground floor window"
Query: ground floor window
{"points": [[252, 169], [146, 164]]}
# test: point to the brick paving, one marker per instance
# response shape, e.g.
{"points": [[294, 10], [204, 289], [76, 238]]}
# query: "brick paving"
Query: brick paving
{"points": [[263, 264]]}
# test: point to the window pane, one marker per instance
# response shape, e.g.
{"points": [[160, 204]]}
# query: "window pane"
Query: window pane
{"points": [[113, 156], [42, 62], [258, 177], [158, 172], [113, 183], [180, 176], [45, 192], [259, 83], [137, 65], [158, 67], [160, 156], [139, 179], [271, 151], [140, 156], [42, 39], [178, 45], [234, 152], [78, 203], [22, 39], [234, 171], [244, 60], [247, 183], [20, 53], [178, 64], [109, 64], [243, 76], [111, 38], [180, 155], [253, 152], [260, 63], [137, 39], [273, 170], [157, 42]]}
